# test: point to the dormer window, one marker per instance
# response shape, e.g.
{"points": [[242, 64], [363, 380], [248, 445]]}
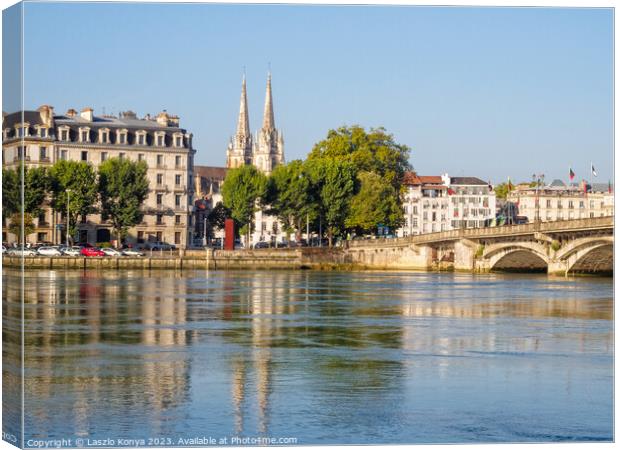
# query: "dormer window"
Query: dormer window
{"points": [[104, 137], [5, 133], [42, 132], [141, 138], [160, 139], [178, 140], [22, 131], [121, 137], [84, 134], [64, 135]]}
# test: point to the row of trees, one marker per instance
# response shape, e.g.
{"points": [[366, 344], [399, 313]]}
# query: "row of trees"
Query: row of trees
{"points": [[350, 182], [116, 191]]}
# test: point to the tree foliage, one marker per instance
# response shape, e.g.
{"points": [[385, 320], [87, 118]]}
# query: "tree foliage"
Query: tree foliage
{"points": [[36, 188], [218, 215], [291, 195], [16, 225], [243, 189], [334, 181], [77, 181], [501, 190], [370, 151], [11, 197], [123, 187], [375, 203]]}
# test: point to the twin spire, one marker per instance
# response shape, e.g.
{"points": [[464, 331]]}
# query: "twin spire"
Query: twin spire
{"points": [[243, 123], [267, 150]]}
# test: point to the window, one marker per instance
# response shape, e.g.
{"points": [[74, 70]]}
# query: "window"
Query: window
{"points": [[570, 204], [64, 135], [160, 221], [177, 237], [415, 222], [177, 219], [43, 132], [104, 156], [160, 179], [178, 141], [548, 203], [160, 141], [140, 237], [84, 135], [415, 210], [581, 205], [160, 199], [177, 200], [141, 139], [63, 155], [20, 132], [274, 228], [178, 161], [122, 138], [43, 154], [177, 180], [159, 236], [121, 155], [84, 156], [160, 160], [263, 226], [140, 156]]}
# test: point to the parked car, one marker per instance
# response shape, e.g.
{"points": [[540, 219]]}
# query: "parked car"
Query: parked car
{"points": [[131, 252], [46, 250], [91, 251], [72, 251], [3, 249], [19, 251], [158, 245], [261, 244], [109, 251]]}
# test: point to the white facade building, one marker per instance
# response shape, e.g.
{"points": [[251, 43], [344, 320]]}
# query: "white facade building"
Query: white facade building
{"points": [[440, 203], [558, 201]]}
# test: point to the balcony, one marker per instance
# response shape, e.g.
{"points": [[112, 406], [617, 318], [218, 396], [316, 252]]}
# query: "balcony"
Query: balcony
{"points": [[161, 187], [45, 159], [18, 158]]}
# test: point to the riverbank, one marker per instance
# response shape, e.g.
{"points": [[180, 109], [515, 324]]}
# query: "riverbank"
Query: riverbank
{"points": [[328, 259]]}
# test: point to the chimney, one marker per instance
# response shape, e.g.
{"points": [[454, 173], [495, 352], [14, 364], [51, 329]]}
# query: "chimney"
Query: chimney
{"points": [[87, 114], [71, 112], [47, 114]]}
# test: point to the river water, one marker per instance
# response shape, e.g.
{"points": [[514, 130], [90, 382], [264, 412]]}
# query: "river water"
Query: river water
{"points": [[319, 357]]}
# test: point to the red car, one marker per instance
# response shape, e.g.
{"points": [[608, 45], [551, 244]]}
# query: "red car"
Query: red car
{"points": [[91, 251]]}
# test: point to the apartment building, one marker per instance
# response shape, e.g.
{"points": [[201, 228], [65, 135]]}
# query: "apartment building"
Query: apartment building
{"points": [[41, 137]]}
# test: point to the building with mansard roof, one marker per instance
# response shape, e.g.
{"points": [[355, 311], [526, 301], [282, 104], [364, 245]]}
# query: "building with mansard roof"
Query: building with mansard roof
{"points": [[41, 137]]}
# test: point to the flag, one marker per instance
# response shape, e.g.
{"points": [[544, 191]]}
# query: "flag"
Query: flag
{"points": [[592, 168], [509, 184], [571, 174], [451, 191]]}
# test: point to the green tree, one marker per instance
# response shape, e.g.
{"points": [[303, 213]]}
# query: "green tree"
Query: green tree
{"points": [[290, 196], [372, 151], [242, 191], [123, 187], [501, 190], [375, 203], [37, 187], [218, 215], [11, 193], [334, 182], [76, 181], [16, 225]]}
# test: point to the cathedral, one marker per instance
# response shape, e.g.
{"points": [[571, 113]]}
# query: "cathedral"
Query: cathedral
{"points": [[266, 150]]}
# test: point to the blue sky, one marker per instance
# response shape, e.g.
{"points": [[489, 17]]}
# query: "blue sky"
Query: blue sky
{"points": [[488, 92]]}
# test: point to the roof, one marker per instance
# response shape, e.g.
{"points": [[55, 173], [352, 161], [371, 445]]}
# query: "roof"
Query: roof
{"points": [[557, 183], [413, 179], [431, 179], [218, 173], [468, 181], [31, 117], [114, 122]]}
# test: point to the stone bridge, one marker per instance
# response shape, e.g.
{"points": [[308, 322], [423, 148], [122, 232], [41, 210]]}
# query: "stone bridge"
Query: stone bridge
{"points": [[562, 247]]}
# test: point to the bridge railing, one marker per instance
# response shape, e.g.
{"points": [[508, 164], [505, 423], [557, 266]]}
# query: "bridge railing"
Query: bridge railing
{"points": [[504, 230]]}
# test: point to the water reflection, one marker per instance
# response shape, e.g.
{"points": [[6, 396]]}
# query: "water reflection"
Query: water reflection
{"points": [[325, 357]]}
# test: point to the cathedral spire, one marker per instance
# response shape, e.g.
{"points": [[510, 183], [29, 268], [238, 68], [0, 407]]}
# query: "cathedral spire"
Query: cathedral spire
{"points": [[243, 124], [268, 121]]}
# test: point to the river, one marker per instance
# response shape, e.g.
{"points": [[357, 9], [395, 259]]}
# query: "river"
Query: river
{"points": [[175, 358]]}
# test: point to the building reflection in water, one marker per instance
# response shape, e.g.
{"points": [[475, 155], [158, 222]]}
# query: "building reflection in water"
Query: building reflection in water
{"points": [[104, 339]]}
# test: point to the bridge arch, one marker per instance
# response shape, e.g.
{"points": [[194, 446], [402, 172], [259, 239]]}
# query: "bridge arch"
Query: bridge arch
{"points": [[595, 258], [520, 257]]}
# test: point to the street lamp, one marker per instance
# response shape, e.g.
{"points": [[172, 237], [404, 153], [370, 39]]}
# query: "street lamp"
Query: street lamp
{"points": [[205, 230], [67, 231], [539, 180]]}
